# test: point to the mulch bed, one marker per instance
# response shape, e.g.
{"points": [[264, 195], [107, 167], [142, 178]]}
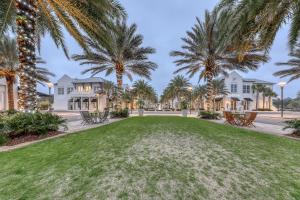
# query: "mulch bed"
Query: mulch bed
{"points": [[294, 135], [30, 138]]}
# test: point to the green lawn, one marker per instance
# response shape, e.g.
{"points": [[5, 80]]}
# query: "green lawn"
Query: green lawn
{"points": [[155, 158]]}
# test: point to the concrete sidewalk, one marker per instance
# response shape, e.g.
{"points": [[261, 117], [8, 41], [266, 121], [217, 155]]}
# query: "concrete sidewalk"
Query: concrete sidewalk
{"points": [[265, 128]]}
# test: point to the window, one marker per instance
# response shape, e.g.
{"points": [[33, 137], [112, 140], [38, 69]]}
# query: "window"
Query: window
{"points": [[246, 89], [233, 88], [87, 88], [79, 88], [97, 89], [60, 91], [69, 90]]}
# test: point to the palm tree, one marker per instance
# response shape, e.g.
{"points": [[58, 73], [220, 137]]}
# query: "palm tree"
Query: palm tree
{"points": [[199, 95], [270, 94], [143, 91], [33, 18], [167, 95], [122, 54], [218, 88], [179, 86], [9, 68], [109, 88], [262, 18], [294, 66], [129, 97], [257, 88], [205, 52]]}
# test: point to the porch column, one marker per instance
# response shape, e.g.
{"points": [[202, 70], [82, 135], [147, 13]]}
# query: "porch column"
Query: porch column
{"points": [[89, 104], [73, 104], [80, 103]]}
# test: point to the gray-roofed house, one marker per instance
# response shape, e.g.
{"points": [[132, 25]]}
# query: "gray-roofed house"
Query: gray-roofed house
{"points": [[241, 96], [71, 94]]}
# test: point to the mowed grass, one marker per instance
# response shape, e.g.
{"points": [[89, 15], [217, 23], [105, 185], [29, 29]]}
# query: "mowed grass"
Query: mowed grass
{"points": [[155, 158]]}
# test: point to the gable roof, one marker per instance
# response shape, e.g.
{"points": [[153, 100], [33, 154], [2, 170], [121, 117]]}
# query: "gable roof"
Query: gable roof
{"points": [[88, 80], [254, 80]]}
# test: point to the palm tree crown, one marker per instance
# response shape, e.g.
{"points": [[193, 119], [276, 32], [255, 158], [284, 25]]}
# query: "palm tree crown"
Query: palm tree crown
{"points": [[294, 66], [262, 18], [122, 54]]}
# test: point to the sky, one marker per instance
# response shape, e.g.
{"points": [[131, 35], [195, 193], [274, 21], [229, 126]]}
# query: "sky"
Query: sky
{"points": [[163, 23]]}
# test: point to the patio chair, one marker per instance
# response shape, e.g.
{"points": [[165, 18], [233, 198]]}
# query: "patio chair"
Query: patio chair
{"points": [[104, 117], [86, 118], [229, 117], [249, 119]]}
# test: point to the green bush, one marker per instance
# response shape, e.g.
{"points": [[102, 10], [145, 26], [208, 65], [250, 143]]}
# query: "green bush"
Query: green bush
{"points": [[31, 123], [120, 114], [183, 105], [209, 115], [3, 139], [293, 124]]}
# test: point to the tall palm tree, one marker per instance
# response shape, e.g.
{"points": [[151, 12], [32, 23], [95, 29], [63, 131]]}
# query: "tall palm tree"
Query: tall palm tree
{"points": [[167, 95], [179, 86], [199, 95], [218, 88], [121, 54], [33, 18], [257, 88], [270, 94], [144, 91], [9, 68], [205, 52], [262, 18], [294, 66]]}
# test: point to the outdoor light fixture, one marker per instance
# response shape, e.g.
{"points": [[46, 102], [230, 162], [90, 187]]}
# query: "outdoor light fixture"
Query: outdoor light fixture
{"points": [[282, 84], [50, 85]]}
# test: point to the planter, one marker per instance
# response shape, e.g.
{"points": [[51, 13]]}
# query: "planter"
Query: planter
{"points": [[141, 112], [184, 113]]}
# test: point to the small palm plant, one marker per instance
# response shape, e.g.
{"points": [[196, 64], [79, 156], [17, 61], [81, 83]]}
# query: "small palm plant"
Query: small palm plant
{"points": [[293, 124], [121, 54]]}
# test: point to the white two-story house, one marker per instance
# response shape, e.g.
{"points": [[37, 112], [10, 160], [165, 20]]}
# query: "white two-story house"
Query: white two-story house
{"points": [[241, 95], [72, 94]]}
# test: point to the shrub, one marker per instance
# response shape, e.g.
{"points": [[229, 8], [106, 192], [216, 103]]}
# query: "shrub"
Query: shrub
{"points": [[120, 114], [209, 115], [31, 123], [3, 139], [293, 124], [183, 105]]}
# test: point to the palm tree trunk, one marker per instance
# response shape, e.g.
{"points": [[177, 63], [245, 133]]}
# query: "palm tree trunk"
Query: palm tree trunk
{"points": [[120, 91], [26, 21], [209, 90], [270, 99], [10, 91]]}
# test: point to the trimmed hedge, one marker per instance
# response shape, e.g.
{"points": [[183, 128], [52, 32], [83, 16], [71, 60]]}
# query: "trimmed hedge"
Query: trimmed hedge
{"points": [[120, 114], [209, 115]]}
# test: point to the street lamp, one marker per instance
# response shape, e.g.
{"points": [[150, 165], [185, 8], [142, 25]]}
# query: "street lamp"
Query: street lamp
{"points": [[50, 85], [190, 89], [282, 84]]}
